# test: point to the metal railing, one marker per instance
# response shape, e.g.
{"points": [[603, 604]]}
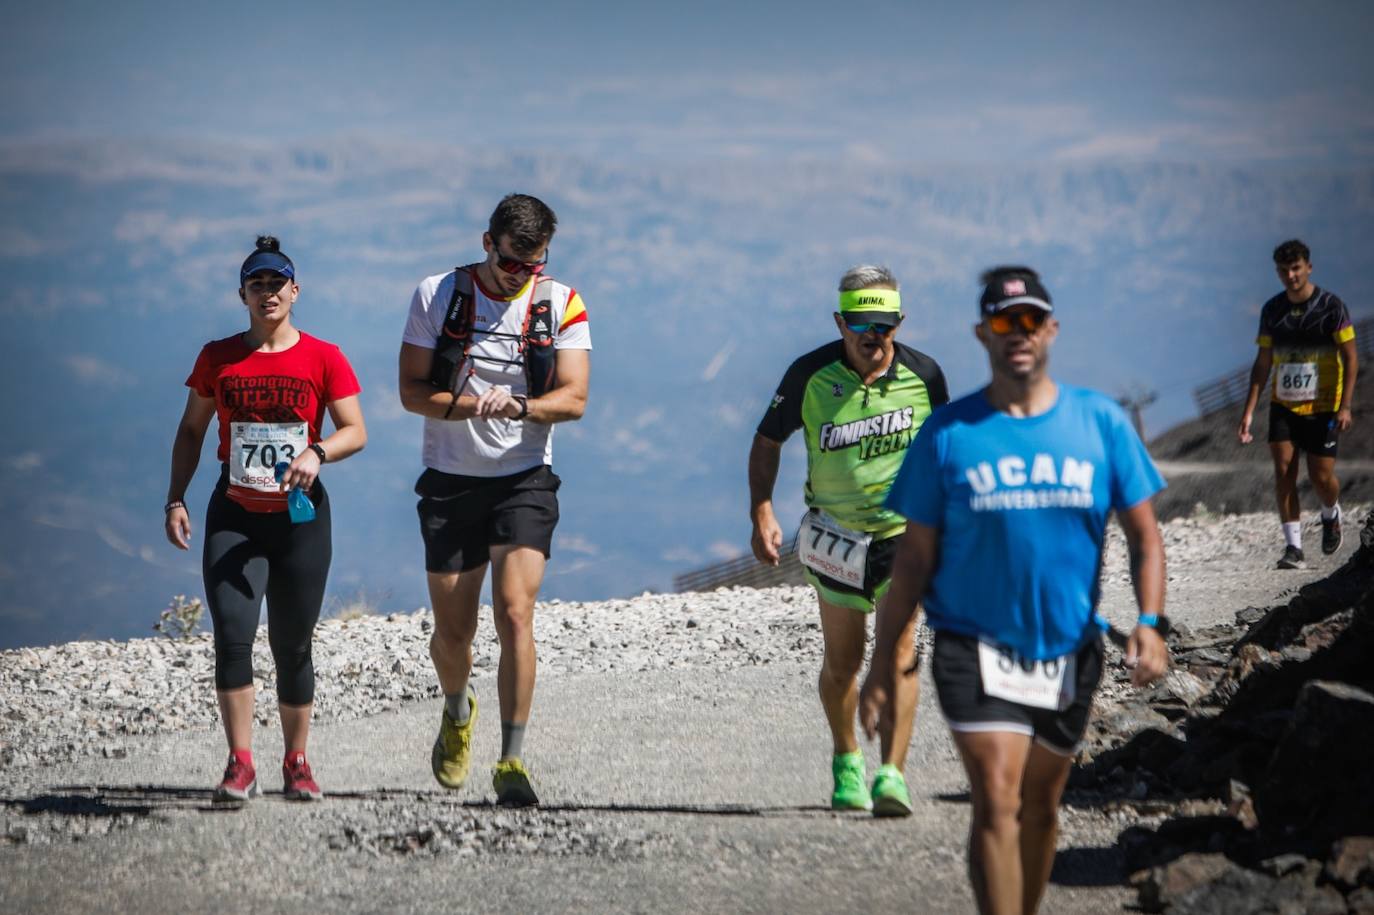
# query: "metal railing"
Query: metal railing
{"points": [[744, 571], [1232, 388]]}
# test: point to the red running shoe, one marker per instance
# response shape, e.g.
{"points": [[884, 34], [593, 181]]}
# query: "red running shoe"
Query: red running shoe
{"points": [[297, 782], [239, 784]]}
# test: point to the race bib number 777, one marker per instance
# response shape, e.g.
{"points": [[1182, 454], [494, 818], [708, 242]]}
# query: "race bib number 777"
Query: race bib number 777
{"points": [[829, 548]]}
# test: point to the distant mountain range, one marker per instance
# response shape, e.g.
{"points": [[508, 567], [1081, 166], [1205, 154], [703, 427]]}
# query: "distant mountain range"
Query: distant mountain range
{"points": [[702, 283]]}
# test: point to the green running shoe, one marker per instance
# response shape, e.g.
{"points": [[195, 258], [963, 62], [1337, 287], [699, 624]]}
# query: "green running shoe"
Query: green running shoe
{"points": [[850, 791], [452, 756], [512, 783], [890, 798]]}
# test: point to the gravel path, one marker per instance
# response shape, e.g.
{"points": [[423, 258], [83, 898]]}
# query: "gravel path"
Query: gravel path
{"points": [[676, 742]]}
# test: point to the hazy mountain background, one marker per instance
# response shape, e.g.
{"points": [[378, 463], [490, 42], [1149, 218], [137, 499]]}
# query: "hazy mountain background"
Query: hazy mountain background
{"points": [[715, 168], [702, 282]]}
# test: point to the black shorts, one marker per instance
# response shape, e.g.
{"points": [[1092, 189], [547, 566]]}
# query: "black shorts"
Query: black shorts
{"points": [[462, 517], [954, 668], [1314, 433]]}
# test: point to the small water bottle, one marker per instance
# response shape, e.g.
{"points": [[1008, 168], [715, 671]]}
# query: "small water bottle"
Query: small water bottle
{"points": [[298, 504]]}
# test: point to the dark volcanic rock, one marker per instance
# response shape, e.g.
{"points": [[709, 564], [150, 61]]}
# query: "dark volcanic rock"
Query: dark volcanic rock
{"points": [[1318, 782], [1352, 863], [1270, 722]]}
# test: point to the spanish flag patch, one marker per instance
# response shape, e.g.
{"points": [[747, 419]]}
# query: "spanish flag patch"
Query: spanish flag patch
{"points": [[575, 313]]}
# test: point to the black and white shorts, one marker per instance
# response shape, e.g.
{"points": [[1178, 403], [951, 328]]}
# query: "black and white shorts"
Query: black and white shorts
{"points": [[954, 668], [462, 517]]}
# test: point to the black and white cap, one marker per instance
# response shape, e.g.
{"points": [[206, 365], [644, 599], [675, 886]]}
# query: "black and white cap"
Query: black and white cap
{"points": [[1008, 287]]}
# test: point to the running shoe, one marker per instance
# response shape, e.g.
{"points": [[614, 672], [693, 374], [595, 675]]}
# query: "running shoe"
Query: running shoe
{"points": [[512, 783], [239, 784], [890, 798], [1291, 559], [1331, 535], [452, 756], [297, 782], [850, 791]]}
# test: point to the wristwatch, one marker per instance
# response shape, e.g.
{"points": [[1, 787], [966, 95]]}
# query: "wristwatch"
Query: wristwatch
{"points": [[524, 405], [319, 452]]}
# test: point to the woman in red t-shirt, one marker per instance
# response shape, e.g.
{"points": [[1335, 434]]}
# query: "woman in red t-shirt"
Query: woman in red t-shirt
{"points": [[270, 387]]}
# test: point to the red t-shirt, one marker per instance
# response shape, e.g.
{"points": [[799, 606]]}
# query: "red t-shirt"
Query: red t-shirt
{"points": [[290, 386]]}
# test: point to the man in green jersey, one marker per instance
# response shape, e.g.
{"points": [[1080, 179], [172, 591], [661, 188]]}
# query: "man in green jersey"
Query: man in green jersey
{"points": [[859, 400]]}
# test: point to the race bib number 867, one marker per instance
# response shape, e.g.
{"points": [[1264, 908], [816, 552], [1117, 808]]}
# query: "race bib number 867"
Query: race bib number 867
{"points": [[1296, 382]]}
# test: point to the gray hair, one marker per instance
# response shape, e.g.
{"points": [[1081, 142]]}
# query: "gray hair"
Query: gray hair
{"points": [[867, 276]]}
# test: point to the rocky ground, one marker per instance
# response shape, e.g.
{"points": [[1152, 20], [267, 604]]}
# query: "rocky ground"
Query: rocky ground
{"points": [[654, 715], [89, 698], [1249, 763]]}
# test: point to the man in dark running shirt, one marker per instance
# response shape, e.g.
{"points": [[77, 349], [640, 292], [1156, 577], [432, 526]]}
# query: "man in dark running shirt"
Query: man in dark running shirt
{"points": [[1306, 338]]}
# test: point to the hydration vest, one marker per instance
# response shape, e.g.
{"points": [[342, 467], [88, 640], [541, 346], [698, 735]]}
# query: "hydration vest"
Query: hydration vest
{"points": [[453, 362]]}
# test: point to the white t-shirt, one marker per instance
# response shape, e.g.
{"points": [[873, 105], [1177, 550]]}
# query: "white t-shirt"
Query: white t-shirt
{"points": [[492, 447]]}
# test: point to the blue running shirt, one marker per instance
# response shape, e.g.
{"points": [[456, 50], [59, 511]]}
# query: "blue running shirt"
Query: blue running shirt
{"points": [[1021, 505]]}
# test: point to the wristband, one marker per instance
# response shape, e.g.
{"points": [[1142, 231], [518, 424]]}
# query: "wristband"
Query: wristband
{"points": [[524, 406], [319, 451], [1148, 619], [175, 503], [451, 404]]}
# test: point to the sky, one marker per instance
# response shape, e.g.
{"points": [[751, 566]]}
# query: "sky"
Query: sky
{"points": [[715, 168], [936, 83]]}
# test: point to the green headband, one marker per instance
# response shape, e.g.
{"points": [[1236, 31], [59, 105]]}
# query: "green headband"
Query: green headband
{"points": [[883, 300]]}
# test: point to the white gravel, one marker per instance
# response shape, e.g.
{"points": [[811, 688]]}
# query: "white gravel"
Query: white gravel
{"points": [[84, 698]]}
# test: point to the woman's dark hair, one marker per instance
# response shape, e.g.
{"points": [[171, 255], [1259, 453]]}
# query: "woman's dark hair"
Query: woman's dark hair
{"points": [[267, 256], [526, 220]]}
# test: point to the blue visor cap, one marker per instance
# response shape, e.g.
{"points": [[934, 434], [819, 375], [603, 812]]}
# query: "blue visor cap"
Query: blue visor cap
{"points": [[266, 260]]}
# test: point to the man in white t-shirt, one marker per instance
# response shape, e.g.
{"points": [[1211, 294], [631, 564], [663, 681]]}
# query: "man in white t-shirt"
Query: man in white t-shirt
{"points": [[493, 355]]}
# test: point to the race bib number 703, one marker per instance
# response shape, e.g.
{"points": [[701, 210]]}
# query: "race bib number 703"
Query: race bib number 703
{"points": [[256, 448]]}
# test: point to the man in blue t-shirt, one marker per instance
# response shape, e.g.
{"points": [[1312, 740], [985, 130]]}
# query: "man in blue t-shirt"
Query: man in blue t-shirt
{"points": [[1006, 493]]}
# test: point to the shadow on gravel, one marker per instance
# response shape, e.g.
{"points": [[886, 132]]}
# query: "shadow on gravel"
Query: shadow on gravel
{"points": [[112, 801], [1072, 866], [1088, 867], [144, 800]]}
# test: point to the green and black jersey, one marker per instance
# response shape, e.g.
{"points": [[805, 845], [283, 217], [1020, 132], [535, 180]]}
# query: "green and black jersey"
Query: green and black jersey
{"points": [[856, 434]]}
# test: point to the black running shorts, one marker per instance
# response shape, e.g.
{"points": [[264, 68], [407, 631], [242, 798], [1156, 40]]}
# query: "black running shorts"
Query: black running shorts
{"points": [[954, 667], [1315, 433], [462, 517]]}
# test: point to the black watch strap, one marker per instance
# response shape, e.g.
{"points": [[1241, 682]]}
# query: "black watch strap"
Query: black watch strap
{"points": [[319, 452], [524, 406]]}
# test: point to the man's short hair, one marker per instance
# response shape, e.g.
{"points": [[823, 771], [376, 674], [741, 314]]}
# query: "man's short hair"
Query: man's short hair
{"points": [[1292, 251], [526, 220], [867, 276]]}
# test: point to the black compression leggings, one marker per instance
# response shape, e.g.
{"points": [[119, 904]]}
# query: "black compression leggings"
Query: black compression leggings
{"points": [[252, 554]]}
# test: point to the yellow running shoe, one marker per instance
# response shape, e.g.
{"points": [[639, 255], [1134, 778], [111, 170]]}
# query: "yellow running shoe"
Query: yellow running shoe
{"points": [[452, 756], [512, 783]]}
